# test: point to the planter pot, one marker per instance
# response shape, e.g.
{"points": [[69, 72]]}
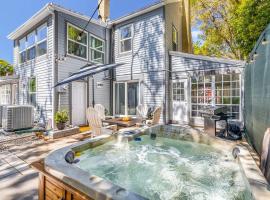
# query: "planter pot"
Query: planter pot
{"points": [[60, 126]]}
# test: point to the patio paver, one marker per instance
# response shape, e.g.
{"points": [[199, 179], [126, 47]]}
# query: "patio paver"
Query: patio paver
{"points": [[17, 180]]}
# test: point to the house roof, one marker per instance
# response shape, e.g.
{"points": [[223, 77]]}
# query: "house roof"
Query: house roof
{"points": [[208, 58], [44, 12]]}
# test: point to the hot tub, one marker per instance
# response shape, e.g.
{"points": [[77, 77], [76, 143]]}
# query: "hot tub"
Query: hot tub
{"points": [[162, 162]]}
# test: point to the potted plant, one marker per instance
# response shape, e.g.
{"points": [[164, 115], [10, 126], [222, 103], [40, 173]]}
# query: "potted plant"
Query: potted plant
{"points": [[61, 118]]}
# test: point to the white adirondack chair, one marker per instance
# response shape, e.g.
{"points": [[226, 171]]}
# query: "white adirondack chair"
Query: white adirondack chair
{"points": [[141, 111], [156, 117], [95, 123], [100, 110]]}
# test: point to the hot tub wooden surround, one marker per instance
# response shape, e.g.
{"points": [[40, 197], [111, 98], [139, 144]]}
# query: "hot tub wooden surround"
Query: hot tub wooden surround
{"points": [[51, 188]]}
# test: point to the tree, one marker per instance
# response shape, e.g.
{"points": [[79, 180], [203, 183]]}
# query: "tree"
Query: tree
{"points": [[230, 27], [5, 68]]}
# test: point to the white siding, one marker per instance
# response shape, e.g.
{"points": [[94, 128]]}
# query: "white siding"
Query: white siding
{"points": [[41, 68], [146, 62]]}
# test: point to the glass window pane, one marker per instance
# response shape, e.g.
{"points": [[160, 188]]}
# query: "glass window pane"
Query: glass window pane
{"points": [[235, 100], [77, 35], [126, 32], [120, 98], [97, 56], [236, 92], [97, 44], [42, 48], [31, 39], [41, 33], [23, 57], [235, 77], [227, 93], [226, 100], [31, 53], [235, 84], [22, 44], [226, 77], [218, 78], [77, 49], [126, 45], [133, 97], [32, 85], [226, 85]]}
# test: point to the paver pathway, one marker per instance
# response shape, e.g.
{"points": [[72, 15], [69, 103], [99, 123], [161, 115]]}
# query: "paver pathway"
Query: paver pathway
{"points": [[17, 180]]}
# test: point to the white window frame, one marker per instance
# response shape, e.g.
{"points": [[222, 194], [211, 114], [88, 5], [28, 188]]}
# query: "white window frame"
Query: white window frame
{"points": [[214, 94], [33, 45], [90, 48], [179, 88], [20, 51], [121, 40], [32, 92], [86, 45], [126, 96], [43, 40]]}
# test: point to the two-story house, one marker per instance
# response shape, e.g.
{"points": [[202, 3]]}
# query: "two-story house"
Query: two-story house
{"points": [[47, 49]]}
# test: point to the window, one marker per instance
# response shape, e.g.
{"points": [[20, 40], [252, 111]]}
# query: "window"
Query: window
{"points": [[22, 50], [174, 38], [97, 49], [5, 94], [178, 91], [32, 87], [31, 49], [126, 98], [77, 42], [226, 92], [42, 40], [126, 39], [35, 44]]}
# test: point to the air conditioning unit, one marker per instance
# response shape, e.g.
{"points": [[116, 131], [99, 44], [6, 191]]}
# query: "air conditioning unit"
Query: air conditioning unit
{"points": [[17, 117]]}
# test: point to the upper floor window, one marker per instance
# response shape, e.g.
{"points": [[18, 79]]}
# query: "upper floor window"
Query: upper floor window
{"points": [[97, 49], [126, 33], [42, 40], [22, 50], [31, 49], [174, 38], [35, 44], [76, 41]]}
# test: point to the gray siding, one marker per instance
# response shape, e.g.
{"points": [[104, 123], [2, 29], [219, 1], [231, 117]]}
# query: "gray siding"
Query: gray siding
{"points": [[41, 68], [73, 64], [146, 62]]}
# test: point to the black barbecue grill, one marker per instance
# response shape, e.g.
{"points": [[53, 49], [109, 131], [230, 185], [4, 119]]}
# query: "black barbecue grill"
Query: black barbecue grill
{"points": [[213, 114]]}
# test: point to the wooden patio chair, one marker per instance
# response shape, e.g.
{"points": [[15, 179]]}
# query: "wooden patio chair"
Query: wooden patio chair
{"points": [[156, 117], [95, 122], [100, 110], [141, 111]]}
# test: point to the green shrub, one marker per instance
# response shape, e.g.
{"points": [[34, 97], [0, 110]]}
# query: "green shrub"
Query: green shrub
{"points": [[61, 116]]}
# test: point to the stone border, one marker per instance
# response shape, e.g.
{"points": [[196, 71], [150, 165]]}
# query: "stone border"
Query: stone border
{"points": [[65, 132], [98, 188]]}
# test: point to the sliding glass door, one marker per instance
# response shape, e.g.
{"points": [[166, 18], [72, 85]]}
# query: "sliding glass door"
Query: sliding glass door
{"points": [[126, 98], [120, 100]]}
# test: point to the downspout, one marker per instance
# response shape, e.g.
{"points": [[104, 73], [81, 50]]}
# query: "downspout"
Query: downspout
{"points": [[93, 91], [112, 71]]}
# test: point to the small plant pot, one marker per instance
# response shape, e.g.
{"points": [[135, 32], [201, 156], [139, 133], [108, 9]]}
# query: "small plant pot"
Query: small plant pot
{"points": [[60, 126]]}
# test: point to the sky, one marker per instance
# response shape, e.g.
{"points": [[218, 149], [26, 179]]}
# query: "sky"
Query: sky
{"points": [[16, 12]]}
